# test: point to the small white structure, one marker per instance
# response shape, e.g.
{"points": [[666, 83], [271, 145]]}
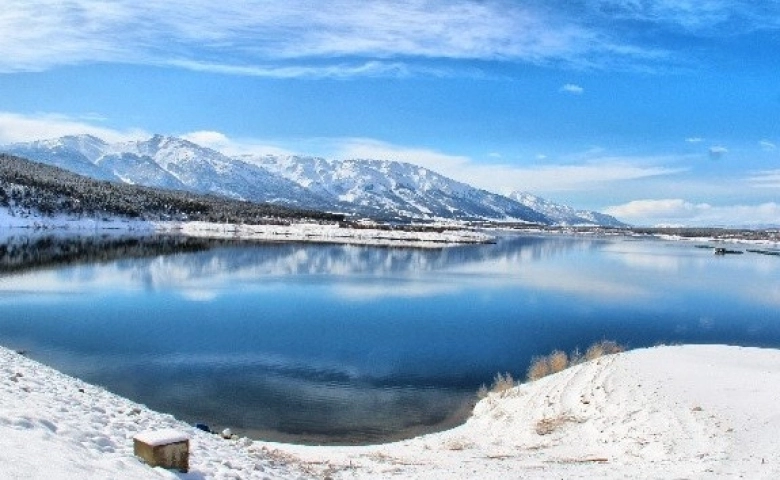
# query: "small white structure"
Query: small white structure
{"points": [[163, 448]]}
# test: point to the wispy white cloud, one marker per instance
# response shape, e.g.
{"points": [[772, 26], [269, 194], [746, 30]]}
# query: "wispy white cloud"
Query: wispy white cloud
{"points": [[504, 177], [765, 179], [681, 212], [573, 89], [694, 16], [665, 208], [367, 69], [16, 127], [297, 38], [272, 38], [235, 147], [767, 146], [694, 139], [352, 148], [718, 152]]}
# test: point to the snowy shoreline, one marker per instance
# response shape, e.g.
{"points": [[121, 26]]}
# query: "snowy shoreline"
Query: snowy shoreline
{"points": [[317, 233], [446, 235], [295, 232], [684, 411]]}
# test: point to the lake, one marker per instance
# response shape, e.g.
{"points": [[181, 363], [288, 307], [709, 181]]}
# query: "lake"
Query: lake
{"points": [[346, 344]]}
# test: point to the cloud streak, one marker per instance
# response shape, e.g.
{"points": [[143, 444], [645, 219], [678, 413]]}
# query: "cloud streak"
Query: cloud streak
{"points": [[504, 177], [292, 38], [572, 89], [25, 128], [765, 179], [681, 212], [703, 17]]}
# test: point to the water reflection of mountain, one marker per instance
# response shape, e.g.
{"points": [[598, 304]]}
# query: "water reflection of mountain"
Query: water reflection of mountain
{"points": [[19, 253], [343, 260]]}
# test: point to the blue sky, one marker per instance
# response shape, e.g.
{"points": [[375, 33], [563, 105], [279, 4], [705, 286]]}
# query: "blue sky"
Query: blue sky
{"points": [[657, 111]]}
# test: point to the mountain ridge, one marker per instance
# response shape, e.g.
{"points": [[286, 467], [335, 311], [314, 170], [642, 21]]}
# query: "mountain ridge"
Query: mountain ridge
{"points": [[380, 189]]}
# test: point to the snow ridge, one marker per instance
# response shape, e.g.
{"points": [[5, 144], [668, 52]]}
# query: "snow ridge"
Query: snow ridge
{"points": [[381, 189], [563, 214]]}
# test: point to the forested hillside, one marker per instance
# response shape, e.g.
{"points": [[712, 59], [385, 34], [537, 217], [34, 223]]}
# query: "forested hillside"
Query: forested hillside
{"points": [[28, 188]]}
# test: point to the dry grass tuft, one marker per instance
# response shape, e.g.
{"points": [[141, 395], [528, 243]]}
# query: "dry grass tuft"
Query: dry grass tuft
{"points": [[540, 368], [501, 383], [558, 361], [553, 363], [547, 426], [547, 365], [604, 347]]}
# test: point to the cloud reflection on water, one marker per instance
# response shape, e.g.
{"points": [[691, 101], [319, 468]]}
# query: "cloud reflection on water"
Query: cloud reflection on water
{"points": [[353, 273]]}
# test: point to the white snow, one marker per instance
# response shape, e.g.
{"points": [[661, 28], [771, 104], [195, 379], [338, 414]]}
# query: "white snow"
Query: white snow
{"points": [[298, 232], [55, 427], [668, 412], [325, 233], [688, 411], [155, 438]]}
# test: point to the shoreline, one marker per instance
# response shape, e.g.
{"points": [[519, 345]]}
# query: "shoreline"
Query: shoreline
{"points": [[683, 411], [294, 232], [421, 236]]}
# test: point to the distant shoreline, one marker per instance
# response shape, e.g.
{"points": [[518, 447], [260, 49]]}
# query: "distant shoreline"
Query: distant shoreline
{"points": [[316, 232], [424, 235]]}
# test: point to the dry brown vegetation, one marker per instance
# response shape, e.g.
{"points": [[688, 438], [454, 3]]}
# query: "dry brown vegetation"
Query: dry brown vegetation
{"points": [[501, 383], [558, 360], [553, 363]]}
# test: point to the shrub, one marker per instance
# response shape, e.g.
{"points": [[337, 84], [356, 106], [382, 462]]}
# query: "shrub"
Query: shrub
{"points": [[604, 347], [547, 365], [553, 363], [540, 367], [557, 361], [501, 383]]}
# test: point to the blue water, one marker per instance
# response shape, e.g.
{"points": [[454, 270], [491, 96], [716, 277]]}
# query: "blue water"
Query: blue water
{"points": [[323, 343]]}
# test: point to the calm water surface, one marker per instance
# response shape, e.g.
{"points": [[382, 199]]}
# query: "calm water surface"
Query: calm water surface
{"points": [[340, 344]]}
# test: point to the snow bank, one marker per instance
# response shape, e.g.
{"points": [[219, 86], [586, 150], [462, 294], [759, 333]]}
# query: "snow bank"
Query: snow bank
{"points": [[56, 427], [667, 412], [311, 232], [298, 232], [161, 437]]}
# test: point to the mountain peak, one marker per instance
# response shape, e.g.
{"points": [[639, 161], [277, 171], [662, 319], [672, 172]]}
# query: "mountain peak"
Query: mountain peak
{"points": [[563, 214], [382, 189]]}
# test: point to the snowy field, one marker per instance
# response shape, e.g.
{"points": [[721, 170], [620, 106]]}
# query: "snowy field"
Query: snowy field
{"points": [[666, 412], [300, 232], [304, 232]]}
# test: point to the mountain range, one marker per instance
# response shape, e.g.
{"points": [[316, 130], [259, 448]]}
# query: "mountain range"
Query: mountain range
{"points": [[380, 189]]}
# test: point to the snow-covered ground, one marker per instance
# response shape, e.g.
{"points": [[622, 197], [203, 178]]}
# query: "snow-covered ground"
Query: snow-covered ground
{"points": [[56, 427], [298, 232], [666, 412], [310, 232]]}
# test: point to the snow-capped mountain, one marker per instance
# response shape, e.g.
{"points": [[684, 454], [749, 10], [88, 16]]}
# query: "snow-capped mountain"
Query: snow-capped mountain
{"points": [[380, 187], [565, 215], [167, 162], [375, 188], [75, 153]]}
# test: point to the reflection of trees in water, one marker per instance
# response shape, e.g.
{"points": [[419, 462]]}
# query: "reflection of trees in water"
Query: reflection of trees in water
{"points": [[218, 256], [21, 253], [311, 259]]}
